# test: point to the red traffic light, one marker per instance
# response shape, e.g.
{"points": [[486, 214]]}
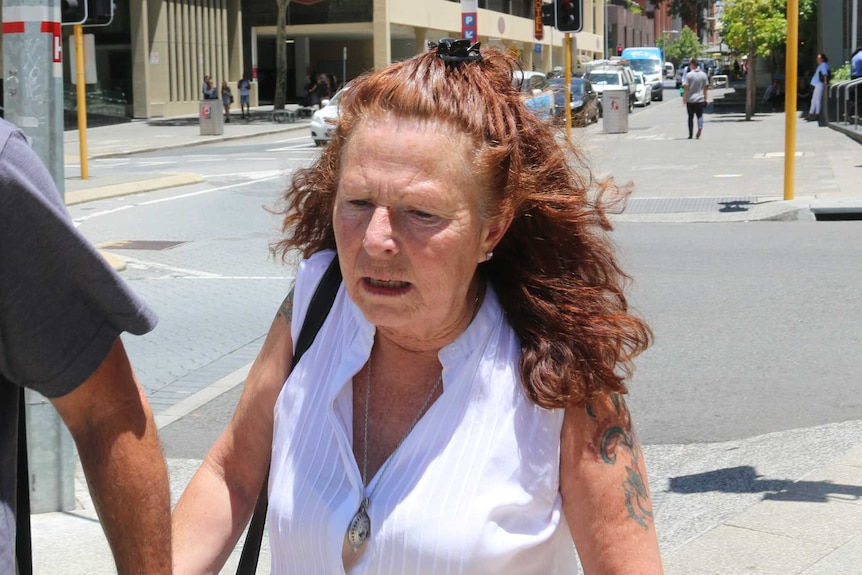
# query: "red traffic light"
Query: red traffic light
{"points": [[568, 14]]}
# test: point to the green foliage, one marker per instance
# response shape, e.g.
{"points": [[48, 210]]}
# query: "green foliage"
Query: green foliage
{"points": [[842, 73], [760, 26], [687, 46]]}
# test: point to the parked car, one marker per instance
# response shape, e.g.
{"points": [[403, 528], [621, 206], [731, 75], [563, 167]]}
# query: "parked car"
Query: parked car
{"points": [[643, 91], [583, 101], [614, 77], [535, 91], [709, 65], [324, 120], [669, 70]]}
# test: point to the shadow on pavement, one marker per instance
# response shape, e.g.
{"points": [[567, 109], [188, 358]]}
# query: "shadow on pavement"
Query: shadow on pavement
{"points": [[744, 479]]}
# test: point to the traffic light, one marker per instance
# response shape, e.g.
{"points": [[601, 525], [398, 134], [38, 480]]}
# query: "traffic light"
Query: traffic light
{"points": [[87, 12], [73, 11], [548, 15], [569, 15]]}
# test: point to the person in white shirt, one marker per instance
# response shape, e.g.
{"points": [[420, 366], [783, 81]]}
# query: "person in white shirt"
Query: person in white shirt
{"points": [[819, 80], [461, 408]]}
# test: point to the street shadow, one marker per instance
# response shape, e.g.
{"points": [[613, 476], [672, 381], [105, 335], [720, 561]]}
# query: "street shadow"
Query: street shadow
{"points": [[744, 479], [734, 206]]}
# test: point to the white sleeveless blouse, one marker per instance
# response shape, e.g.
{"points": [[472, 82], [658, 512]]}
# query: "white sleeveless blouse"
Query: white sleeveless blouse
{"points": [[473, 489]]}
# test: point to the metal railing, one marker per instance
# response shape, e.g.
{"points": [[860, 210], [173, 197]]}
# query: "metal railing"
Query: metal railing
{"points": [[844, 97]]}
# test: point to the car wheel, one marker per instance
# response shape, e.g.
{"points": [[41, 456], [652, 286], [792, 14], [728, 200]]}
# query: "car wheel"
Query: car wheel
{"points": [[318, 142]]}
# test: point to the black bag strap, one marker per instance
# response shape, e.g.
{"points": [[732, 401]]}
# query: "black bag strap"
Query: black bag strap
{"points": [[23, 549], [318, 309]]}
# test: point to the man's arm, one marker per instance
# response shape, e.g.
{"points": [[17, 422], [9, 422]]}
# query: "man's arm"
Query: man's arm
{"points": [[706, 93], [113, 427]]}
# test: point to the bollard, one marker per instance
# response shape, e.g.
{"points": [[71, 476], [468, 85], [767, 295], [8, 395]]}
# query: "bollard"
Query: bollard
{"points": [[52, 457]]}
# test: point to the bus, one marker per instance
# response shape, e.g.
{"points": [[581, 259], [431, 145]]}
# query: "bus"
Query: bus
{"points": [[650, 61]]}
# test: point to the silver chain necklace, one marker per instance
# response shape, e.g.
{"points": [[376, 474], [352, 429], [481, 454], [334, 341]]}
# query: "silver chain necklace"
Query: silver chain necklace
{"points": [[359, 529]]}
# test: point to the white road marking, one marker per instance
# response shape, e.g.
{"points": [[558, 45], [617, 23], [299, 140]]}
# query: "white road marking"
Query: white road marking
{"points": [[82, 219]]}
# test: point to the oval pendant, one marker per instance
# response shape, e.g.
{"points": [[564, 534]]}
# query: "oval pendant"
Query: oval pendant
{"points": [[360, 527]]}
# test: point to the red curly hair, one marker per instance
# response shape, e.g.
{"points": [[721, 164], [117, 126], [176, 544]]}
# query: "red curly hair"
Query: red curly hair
{"points": [[554, 271]]}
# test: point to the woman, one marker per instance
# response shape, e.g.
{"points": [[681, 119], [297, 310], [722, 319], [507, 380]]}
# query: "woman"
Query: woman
{"points": [[819, 81], [226, 99], [460, 410]]}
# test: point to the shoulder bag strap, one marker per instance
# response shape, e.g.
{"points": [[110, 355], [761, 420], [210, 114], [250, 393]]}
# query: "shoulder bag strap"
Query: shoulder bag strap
{"points": [[318, 309], [23, 549]]}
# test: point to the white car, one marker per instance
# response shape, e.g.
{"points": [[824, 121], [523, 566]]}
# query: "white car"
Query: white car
{"points": [[324, 121], [643, 91]]}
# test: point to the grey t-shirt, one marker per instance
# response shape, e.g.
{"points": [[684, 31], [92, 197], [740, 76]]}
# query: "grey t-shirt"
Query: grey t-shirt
{"points": [[696, 80], [61, 305]]}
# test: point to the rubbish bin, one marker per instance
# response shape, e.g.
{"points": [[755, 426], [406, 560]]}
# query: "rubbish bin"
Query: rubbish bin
{"points": [[615, 111], [211, 115]]}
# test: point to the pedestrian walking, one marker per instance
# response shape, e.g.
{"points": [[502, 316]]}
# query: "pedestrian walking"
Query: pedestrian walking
{"points": [[461, 405], [244, 87], [695, 95], [226, 100], [62, 310], [820, 79]]}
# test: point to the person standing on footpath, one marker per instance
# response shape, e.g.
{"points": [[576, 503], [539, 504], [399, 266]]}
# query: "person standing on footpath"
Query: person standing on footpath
{"points": [[244, 97], [226, 99], [62, 310], [819, 80], [695, 95]]}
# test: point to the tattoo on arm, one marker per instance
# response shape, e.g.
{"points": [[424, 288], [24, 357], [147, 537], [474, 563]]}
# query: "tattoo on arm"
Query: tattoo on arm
{"points": [[615, 435], [286, 309]]}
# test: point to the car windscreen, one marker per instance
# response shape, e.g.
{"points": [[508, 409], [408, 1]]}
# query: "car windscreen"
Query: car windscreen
{"points": [[603, 78], [646, 66], [576, 87]]}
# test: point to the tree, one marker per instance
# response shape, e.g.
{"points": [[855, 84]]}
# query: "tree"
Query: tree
{"points": [[755, 28], [687, 46], [280, 98]]}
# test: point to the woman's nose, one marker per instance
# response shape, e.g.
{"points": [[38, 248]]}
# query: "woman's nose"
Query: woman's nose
{"points": [[379, 234]]}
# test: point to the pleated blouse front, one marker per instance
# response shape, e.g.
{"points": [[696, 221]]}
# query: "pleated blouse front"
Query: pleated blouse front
{"points": [[473, 489]]}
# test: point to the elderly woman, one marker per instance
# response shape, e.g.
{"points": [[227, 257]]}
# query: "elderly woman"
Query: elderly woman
{"points": [[460, 410]]}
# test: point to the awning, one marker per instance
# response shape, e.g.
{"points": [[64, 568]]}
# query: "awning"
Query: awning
{"points": [[717, 49]]}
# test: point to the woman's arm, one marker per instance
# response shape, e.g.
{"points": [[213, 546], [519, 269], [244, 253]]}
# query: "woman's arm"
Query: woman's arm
{"points": [[606, 498], [219, 500]]}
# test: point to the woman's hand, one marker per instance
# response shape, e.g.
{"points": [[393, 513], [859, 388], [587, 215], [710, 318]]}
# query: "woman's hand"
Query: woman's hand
{"points": [[605, 491]]}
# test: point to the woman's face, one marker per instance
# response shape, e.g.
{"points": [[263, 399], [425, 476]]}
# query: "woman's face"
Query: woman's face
{"points": [[408, 228]]}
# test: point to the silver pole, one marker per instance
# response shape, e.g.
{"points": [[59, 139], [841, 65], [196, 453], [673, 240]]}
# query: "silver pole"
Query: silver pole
{"points": [[33, 100]]}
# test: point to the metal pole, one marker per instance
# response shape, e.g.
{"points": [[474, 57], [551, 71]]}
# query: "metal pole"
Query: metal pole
{"points": [[33, 76], [81, 84], [33, 82], [792, 51]]}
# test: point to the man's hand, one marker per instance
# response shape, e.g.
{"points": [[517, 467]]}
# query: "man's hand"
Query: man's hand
{"points": [[113, 427]]}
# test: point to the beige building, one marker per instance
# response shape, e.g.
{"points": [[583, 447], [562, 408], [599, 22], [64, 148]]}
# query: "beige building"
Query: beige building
{"points": [[151, 60]]}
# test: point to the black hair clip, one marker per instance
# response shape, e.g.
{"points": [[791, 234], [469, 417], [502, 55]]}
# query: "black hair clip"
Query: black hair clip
{"points": [[456, 51]]}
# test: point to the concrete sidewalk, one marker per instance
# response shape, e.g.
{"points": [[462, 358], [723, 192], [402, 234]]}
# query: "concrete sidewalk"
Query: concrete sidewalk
{"points": [[797, 512]]}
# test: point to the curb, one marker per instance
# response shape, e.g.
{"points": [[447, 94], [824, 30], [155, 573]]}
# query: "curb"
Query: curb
{"points": [[223, 138], [128, 188]]}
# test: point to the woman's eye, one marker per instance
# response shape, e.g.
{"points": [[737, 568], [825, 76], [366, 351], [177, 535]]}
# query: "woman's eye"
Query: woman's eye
{"points": [[359, 203], [422, 215]]}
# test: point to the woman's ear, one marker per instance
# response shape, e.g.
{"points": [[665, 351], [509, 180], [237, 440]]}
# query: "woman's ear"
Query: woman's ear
{"points": [[494, 230]]}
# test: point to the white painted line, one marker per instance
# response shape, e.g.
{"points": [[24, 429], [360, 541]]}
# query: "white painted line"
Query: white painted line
{"points": [[727, 175], [82, 219], [202, 192], [204, 396], [290, 140], [309, 146]]}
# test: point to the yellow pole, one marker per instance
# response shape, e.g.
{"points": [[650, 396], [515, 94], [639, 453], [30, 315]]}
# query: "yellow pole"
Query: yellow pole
{"points": [[81, 80], [792, 51], [568, 80]]}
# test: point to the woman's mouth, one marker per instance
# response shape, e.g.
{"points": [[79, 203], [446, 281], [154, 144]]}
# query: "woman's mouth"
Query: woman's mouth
{"points": [[386, 284]]}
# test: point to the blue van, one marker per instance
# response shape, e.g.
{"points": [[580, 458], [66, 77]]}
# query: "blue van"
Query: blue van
{"points": [[650, 62]]}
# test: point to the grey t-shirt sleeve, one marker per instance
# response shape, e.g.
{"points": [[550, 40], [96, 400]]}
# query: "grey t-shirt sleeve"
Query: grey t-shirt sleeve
{"points": [[61, 305]]}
